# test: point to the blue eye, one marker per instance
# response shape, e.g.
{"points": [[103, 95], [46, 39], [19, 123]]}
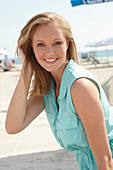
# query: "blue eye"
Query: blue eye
{"points": [[40, 44], [58, 43]]}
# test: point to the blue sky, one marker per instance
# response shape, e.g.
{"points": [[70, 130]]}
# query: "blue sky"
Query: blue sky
{"points": [[88, 22]]}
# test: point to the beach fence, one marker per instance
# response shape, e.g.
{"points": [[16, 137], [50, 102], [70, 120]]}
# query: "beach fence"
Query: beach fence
{"points": [[99, 53], [96, 58]]}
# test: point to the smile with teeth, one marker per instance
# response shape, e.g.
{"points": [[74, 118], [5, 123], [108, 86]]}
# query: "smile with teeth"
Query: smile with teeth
{"points": [[50, 60]]}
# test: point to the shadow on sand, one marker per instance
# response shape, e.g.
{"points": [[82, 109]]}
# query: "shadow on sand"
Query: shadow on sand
{"points": [[51, 160]]}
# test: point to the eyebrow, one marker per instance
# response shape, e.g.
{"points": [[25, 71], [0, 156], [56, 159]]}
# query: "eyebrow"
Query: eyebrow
{"points": [[39, 40], [57, 39]]}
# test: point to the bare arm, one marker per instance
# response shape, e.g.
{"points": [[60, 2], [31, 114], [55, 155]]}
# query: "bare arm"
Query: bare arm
{"points": [[88, 106], [22, 111]]}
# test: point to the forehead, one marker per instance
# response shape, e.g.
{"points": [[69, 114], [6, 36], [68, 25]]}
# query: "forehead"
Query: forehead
{"points": [[50, 30]]}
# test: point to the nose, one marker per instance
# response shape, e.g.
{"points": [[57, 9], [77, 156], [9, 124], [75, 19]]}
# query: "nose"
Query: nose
{"points": [[49, 50]]}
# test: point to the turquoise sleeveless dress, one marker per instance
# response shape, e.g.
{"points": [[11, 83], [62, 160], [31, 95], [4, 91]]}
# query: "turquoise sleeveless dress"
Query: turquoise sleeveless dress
{"points": [[65, 122]]}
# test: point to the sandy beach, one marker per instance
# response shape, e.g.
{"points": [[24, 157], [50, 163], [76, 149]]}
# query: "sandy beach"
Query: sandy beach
{"points": [[35, 148]]}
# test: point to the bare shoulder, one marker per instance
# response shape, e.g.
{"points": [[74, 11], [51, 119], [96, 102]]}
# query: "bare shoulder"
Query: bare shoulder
{"points": [[85, 95], [84, 86]]}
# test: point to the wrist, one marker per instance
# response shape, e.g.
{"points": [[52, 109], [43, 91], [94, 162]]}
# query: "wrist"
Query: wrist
{"points": [[106, 164], [110, 164]]}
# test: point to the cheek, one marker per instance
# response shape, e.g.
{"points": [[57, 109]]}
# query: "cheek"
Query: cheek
{"points": [[36, 52], [63, 50]]}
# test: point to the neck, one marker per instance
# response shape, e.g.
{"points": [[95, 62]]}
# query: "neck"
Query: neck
{"points": [[57, 76]]}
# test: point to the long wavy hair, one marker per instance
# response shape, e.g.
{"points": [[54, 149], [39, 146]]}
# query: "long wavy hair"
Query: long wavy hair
{"points": [[41, 82]]}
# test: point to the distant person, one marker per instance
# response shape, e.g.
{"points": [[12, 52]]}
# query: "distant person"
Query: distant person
{"points": [[4, 67], [5, 60], [1, 63], [11, 65]]}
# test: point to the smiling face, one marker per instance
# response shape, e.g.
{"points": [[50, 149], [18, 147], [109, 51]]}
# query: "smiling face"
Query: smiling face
{"points": [[50, 45]]}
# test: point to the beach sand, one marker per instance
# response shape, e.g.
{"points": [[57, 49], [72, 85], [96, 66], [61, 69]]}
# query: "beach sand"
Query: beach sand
{"points": [[35, 148]]}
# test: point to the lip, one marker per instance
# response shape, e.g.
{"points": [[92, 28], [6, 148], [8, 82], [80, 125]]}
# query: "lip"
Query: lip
{"points": [[50, 60]]}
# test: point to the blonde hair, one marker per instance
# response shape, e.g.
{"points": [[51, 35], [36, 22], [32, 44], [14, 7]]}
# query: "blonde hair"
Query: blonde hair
{"points": [[42, 78]]}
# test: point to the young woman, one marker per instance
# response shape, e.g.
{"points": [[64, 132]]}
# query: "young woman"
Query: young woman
{"points": [[76, 106]]}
